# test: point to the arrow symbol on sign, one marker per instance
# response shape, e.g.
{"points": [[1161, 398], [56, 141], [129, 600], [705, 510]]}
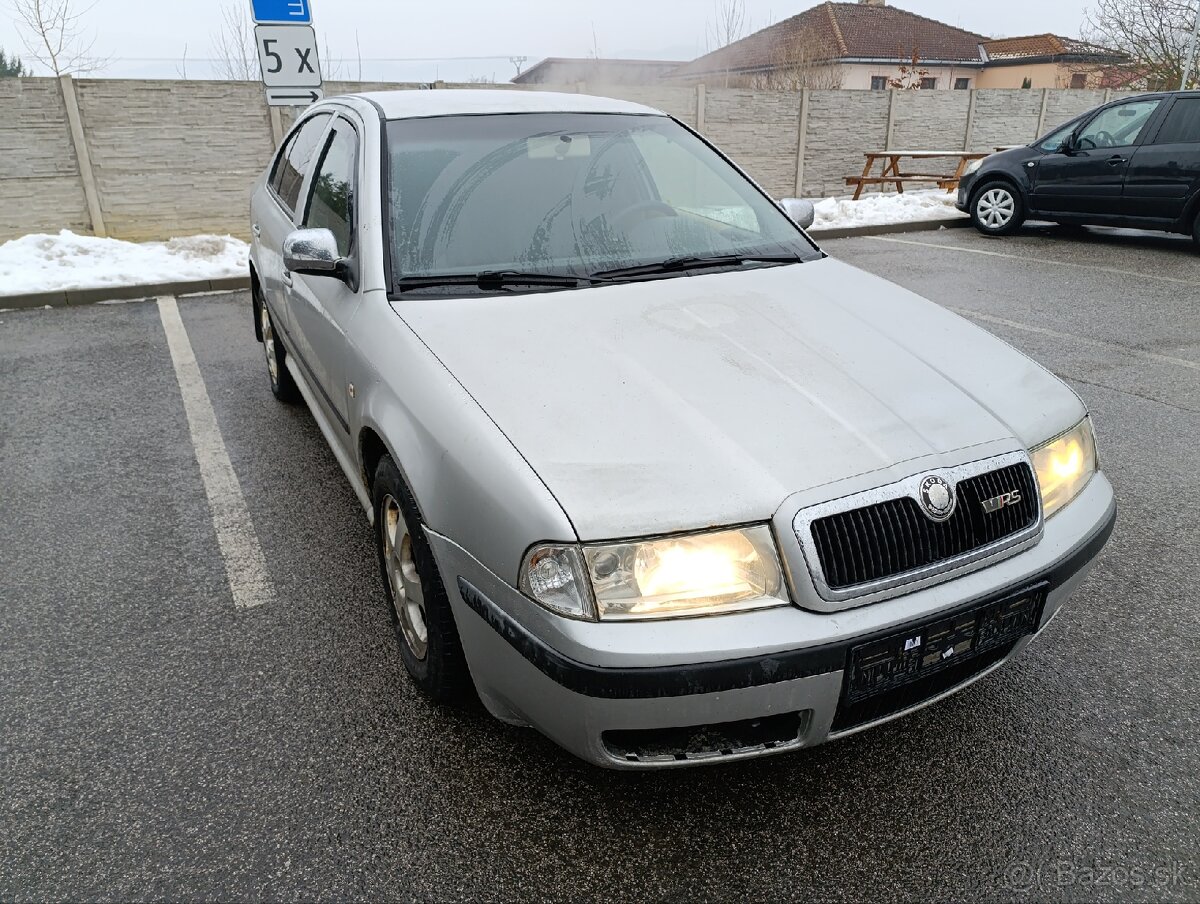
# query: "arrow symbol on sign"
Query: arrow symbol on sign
{"points": [[311, 96]]}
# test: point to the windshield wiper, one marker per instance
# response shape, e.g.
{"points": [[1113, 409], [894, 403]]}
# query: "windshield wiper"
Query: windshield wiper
{"points": [[679, 264], [488, 280]]}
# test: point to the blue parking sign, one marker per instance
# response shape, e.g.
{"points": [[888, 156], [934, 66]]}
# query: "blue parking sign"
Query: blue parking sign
{"points": [[272, 11]]}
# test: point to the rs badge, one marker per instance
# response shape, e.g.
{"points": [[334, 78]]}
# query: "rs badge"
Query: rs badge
{"points": [[1003, 501]]}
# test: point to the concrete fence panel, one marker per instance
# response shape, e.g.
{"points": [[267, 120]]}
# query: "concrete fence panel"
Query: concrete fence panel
{"points": [[167, 158]]}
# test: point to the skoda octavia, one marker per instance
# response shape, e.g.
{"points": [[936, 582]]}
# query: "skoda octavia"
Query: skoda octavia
{"points": [[646, 469]]}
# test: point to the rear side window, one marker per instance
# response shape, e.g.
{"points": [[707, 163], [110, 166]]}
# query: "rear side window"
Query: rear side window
{"points": [[331, 202], [1183, 123], [297, 157]]}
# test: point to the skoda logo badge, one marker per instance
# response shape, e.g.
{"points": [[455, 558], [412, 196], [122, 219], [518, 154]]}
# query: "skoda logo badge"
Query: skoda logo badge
{"points": [[937, 498]]}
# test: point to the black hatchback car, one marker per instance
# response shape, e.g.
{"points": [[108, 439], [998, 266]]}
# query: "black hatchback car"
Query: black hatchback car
{"points": [[1134, 163]]}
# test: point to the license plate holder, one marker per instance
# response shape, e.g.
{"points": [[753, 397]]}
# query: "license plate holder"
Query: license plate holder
{"points": [[919, 652]]}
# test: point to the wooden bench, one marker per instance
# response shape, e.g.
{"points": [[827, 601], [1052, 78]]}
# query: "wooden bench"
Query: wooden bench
{"points": [[891, 173]]}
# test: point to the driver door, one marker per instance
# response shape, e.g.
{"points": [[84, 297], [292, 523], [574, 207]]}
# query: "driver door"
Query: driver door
{"points": [[1087, 177]]}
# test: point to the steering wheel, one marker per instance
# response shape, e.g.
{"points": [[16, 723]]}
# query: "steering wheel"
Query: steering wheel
{"points": [[1105, 140], [643, 210]]}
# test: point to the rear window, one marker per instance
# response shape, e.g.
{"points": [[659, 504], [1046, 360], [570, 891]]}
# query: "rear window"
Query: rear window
{"points": [[1183, 123]]}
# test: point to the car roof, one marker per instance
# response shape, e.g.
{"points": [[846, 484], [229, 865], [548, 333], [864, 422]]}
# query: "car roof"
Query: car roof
{"points": [[465, 102]]}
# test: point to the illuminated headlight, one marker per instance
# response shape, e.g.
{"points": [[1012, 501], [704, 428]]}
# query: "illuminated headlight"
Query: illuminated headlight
{"points": [[675, 577], [973, 167], [1065, 465]]}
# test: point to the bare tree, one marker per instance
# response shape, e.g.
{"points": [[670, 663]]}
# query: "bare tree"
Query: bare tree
{"points": [[234, 51], [730, 23], [56, 37], [797, 62], [912, 75], [1156, 34]]}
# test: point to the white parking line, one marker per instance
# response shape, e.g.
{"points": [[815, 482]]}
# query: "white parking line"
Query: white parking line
{"points": [[245, 564], [1036, 260], [1041, 330]]}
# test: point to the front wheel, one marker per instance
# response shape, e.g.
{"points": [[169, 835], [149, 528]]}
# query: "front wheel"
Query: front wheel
{"points": [[997, 209], [1196, 230], [420, 609]]}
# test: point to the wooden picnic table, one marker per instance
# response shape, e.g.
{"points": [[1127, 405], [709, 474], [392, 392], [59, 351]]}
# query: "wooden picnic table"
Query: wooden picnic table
{"points": [[892, 174]]}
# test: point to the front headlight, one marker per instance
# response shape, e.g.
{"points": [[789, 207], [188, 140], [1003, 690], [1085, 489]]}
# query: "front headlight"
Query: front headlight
{"points": [[973, 167], [675, 577], [1065, 465]]}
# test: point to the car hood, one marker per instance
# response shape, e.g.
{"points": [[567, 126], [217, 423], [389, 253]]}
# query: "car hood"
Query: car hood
{"points": [[683, 403]]}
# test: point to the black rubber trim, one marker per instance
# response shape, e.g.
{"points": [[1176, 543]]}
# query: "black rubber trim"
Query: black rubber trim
{"points": [[733, 674]]}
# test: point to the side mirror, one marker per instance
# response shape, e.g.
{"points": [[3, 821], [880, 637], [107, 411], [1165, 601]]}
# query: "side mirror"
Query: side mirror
{"points": [[1068, 146], [313, 252], [802, 213]]}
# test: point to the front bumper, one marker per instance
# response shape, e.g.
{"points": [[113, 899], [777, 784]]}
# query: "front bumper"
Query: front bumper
{"points": [[588, 686], [965, 185]]}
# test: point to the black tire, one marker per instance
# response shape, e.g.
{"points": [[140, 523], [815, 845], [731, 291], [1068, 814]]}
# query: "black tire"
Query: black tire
{"points": [[1196, 230], [440, 668], [283, 387], [997, 208]]}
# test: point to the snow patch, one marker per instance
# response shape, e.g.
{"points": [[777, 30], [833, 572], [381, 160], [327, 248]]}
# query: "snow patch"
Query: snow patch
{"points": [[886, 209], [50, 263]]}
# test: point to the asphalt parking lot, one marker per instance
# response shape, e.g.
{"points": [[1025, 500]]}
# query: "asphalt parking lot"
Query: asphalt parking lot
{"points": [[157, 742]]}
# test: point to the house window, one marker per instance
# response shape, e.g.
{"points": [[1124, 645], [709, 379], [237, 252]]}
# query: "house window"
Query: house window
{"points": [[879, 83], [962, 84], [1079, 80], [928, 84]]}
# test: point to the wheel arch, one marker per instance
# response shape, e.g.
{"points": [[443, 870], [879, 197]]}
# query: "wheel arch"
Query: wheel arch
{"points": [[999, 176]]}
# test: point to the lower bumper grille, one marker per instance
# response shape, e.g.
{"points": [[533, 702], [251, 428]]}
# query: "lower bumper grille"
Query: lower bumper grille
{"points": [[662, 746]]}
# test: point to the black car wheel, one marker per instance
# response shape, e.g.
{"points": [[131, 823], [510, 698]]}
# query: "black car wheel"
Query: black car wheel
{"points": [[420, 609], [997, 209], [1196, 229]]}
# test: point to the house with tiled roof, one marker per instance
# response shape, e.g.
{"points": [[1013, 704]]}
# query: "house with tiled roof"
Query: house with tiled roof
{"points": [[1049, 61], [868, 44]]}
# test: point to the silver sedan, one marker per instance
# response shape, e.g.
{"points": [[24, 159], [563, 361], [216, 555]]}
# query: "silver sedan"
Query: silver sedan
{"points": [[647, 470]]}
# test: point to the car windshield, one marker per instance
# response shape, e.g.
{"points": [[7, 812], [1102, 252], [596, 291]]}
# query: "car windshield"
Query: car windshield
{"points": [[569, 196]]}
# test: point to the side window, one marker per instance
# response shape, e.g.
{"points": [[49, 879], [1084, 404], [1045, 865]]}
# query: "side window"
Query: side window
{"points": [[1118, 127], [331, 203], [294, 164], [1182, 125]]}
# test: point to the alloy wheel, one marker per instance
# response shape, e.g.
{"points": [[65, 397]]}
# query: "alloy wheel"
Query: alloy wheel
{"points": [[268, 334], [408, 596]]}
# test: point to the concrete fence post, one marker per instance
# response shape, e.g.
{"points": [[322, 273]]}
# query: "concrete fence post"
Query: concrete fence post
{"points": [[701, 99], [970, 120], [891, 120], [1041, 126], [581, 87], [86, 174], [276, 126], [802, 142], [1108, 93]]}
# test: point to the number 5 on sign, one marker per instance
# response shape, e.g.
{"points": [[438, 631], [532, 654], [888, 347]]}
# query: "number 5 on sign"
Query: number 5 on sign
{"points": [[288, 55]]}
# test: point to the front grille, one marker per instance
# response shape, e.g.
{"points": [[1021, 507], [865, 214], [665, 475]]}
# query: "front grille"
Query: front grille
{"points": [[895, 537]]}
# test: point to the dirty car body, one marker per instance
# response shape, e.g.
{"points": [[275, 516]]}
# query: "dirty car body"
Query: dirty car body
{"points": [[696, 492]]}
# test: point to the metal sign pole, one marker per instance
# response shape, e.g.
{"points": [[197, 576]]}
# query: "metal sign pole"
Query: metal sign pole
{"points": [[1191, 57]]}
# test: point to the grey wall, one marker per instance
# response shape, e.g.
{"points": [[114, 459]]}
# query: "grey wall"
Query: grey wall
{"points": [[177, 157]]}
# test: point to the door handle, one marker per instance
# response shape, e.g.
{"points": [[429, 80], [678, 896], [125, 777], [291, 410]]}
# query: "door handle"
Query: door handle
{"points": [[1116, 161], [287, 277], [257, 230]]}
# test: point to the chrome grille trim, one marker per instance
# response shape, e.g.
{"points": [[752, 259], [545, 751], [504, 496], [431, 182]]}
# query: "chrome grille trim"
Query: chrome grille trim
{"points": [[909, 487]]}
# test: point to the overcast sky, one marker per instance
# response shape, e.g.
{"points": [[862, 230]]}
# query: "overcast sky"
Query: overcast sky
{"points": [[148, 39]]}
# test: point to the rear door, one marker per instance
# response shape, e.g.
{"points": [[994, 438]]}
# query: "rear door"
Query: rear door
{"points": [[277, 218], [1164, 174], [1088, 179], [322, 306]]}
